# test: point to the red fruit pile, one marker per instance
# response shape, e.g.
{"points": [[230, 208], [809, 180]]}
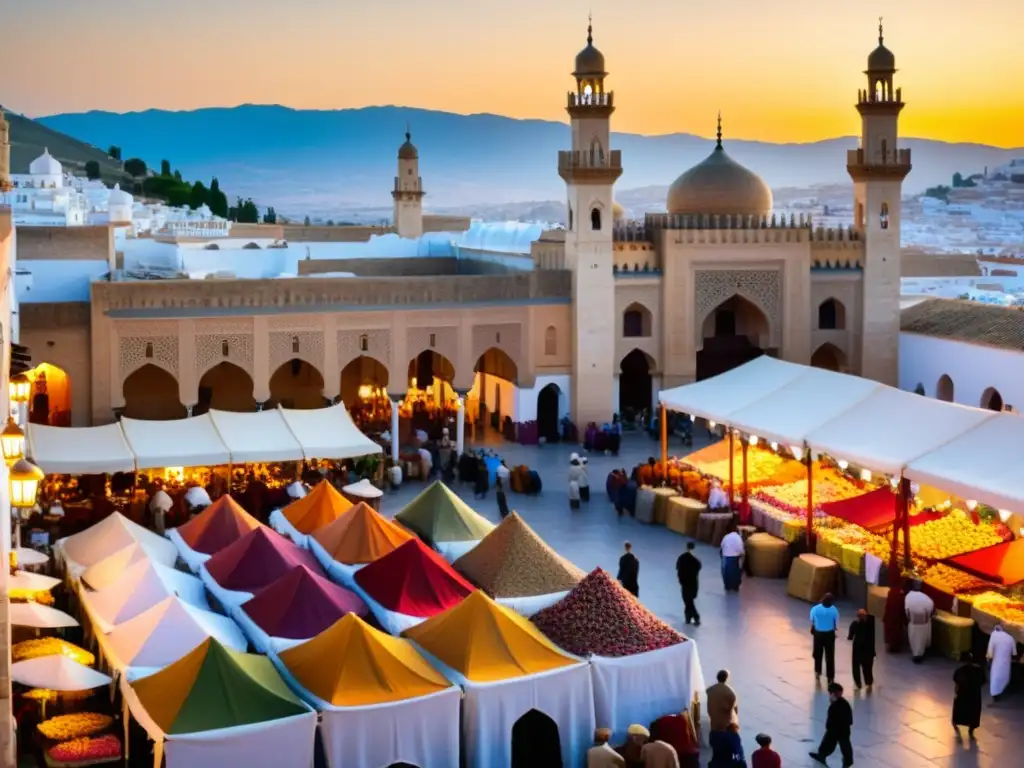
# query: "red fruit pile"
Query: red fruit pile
{"points": [[599, 617], [87, 749]]}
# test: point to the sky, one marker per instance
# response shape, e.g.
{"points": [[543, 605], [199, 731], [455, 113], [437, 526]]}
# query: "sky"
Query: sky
{"points": [[780, 71]]}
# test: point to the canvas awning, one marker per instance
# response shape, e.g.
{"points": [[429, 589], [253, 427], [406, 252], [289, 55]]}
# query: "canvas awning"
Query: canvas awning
{"points": [[328, 433], [1003, 563], [258, 558], [361, 535], [57, 673], [872, 510], [985, 464], [254, 438], [138, 589], [192, 442], [413, 580], [218, 526], [438, 514], [79, 450], [112, 534], [301, 604]]}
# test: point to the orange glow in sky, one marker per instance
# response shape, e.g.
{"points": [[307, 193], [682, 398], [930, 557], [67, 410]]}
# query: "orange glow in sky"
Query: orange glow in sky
{"points": [[781, 71]]}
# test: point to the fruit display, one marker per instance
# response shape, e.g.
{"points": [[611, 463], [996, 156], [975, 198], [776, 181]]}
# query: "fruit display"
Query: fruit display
{"points": [[762, 464], [1004, 607], [43, 597], [107, 747], [67, 727], [951, 580], [599, 617], [50, 646], [952, 534]]}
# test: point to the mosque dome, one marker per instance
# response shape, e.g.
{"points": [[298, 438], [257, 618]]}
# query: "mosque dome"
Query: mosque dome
{"points": [[408, 150], [45, 165], [618, 212], [589, 61], [719, 185], [881, 59]]}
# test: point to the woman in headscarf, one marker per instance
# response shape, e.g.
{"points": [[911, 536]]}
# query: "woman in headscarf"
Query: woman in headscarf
{"points": [[968, 680]]}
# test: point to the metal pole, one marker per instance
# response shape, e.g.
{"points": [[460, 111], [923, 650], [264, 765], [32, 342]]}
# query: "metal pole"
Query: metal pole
{"points": [[664, 440], [732, 467], [905, 509], [810, 496]]}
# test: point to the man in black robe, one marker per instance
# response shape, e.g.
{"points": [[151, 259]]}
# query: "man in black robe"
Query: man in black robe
{"points": [[629, 571], [688, 570], [969, 681], [862, 633]]}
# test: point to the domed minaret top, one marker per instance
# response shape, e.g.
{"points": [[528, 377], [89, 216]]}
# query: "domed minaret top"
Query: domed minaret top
{"points": [[408, 150], [589, 61], [590, 98], [881, 59]]}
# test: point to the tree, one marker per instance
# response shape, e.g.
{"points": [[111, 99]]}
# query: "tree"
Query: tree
{"points": [[218, 200], [270, 217], [135, 166], [244, 212], [330, 222], [114, 152], [200, 196], [92, 169], [165, 167], [177, 176], [179, 195], [305, 222]]}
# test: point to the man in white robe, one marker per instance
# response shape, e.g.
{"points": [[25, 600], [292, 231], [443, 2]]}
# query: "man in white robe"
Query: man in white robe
{"points": [[1001, 650], [920, 609]]}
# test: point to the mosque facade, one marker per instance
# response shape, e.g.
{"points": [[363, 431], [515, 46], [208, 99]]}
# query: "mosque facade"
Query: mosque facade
{"points": [[581, 321]]}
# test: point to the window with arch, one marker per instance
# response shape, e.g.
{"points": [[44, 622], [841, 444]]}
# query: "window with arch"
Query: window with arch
{"points": [[364, 343], [225, 348], [250, 247], [149, 350], [636, 321], [551, 341], [883, 216], [295, 345], [595, 219], [831, 316]]}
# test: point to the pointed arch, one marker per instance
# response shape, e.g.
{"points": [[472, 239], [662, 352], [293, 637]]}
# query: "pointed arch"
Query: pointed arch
{"points": [[737, 315], [50, 396], [992, 399], [595, 219], [427, 366], [536, 742], [362, 377], [150, 392], [637, 321], [225, 387], [829, 357], [831, 315], [944, 389], [297, 384], [497, 362], [635, 394]]}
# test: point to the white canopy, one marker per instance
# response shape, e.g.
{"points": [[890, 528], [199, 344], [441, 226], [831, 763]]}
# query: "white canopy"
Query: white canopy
{"points": [[364, 489], [138, 589], [891, 428], [788, 415], [108, 570], [253, 438], [80, 450], [30, 557], [328, 433], [111, 534], [31, 582], [985, 463], [192, 442], [39, 616], [720, 396], [57, 673]]}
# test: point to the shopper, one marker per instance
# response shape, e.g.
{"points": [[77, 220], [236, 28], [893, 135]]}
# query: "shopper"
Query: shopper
{"points": [[968, 680], [824, 623], [765, 756], [723, 705], [919, 609], [862, 633], [629, 570], [688, 572], [838, 725], [601, 755], [499, 492], [732, 559]]}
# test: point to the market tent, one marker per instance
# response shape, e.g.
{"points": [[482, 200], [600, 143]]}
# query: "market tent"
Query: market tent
{"points": [[366, 684], [219, 525], [39, 616], [321, 506], [891, 428], [164, 633], [444, 520], [719, 397], [191, 442], [27, 581], [79, 450], [108, 570], [106, 537], [137, 589], [328, 433], [297, 606], [202, 704], [255, 560], [361, 535], [57, 673], [512, 561], [873, 510], [966, 468], [29, 557], [814, 398], [256, 438], [1003, 563], [507, 668]]}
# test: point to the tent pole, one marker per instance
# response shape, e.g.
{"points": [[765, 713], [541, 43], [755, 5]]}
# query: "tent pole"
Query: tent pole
{"points": [[893, 617], [231, 476], [810, 496], [732, 468], [746, 491], [905, 510], [663, 418]]}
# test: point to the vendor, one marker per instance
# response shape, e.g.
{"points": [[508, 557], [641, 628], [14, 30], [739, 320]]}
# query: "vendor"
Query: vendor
{"points": [[717, 498]]}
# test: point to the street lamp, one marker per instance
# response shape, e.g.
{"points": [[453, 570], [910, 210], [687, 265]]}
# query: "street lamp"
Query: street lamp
{"points": [[13, 441], [24, 479], [20, 387]]}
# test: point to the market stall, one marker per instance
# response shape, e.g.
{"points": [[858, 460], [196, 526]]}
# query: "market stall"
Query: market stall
{"points": [[215, 528], [80, 450], [408, 585], [438, 516], [113, 533], [510, 673], [257, 438], [380, 701], [102, 574], [328, 433], [360, 536], [320, 507], [517, 568], [217, 707], [192, 442]]}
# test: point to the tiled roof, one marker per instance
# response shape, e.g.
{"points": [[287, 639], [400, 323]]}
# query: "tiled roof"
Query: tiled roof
{"points": [[966, 321], [914, 263]]}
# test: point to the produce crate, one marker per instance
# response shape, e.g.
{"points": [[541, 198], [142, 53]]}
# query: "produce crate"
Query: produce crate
{"points": [[767, 556], [876, 601], [851, 559], [644, 505], [951, 635], [812, 577], [793, 530], [661, 499], [830, 549], [684, 514], [712, 526]]}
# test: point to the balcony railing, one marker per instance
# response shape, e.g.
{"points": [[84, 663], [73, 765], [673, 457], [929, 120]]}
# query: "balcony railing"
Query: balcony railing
{"points": [[577, 99], [590, 158], [895, 157]]}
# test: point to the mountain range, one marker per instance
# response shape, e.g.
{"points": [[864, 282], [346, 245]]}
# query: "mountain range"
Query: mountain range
{"points": [[306, 161]]}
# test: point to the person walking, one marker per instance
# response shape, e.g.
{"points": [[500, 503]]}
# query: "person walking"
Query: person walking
{"points": [[499, 493], [862, 633], [629, 570], [838, 726], [688, 572], [733, 550], [1001, 650], [723, 705], [824, 623], [968, 680], [919, 609]]}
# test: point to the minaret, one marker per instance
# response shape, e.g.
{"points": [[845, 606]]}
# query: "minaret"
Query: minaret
{"points": [[408, 192], [878, 169], [590, 169], [5, 153]]}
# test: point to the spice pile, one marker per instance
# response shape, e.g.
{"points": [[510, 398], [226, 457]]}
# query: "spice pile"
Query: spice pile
{"points": [[599, 617], [106, 747], [66, 727], [50, 646]]}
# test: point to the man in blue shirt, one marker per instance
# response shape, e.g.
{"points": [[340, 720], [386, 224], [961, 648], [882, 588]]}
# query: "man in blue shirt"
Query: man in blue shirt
{"points": [[824, 623]]}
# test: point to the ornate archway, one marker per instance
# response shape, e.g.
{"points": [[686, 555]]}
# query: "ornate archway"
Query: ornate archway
{"points": [[829, 357], [495, 385], [637, 321], [944, 390], [635, 371], [297, 384], [733, 333], [535, 742], [548, 409], [50, 401], [150, 392], [991, 399], [225, 387], [363, 378], [831, 315]]}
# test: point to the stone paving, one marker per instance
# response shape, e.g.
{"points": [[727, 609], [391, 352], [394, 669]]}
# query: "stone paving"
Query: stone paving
{"points": [[760, 635]]}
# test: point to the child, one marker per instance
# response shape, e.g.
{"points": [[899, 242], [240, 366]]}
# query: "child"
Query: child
{"points": [[765, 757]]}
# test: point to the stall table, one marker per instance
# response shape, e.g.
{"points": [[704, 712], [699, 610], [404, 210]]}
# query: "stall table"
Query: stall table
{"points": [[951, 635], [684, 514], [812, 577], [767, 556], [712, 527]]}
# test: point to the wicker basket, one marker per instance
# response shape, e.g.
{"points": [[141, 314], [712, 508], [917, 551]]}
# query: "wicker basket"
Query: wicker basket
{"points": [[767, 556]]}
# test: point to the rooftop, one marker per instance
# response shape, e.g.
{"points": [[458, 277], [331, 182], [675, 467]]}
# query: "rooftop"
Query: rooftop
{"points": [[966, 321]]}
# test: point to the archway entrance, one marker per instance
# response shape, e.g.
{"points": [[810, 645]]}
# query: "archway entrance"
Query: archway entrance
{"points": [[829, 357], [734, 333], [494, 389], [944, 389], [50, 401], [152, 393], [535, 742], [430, 399], [634, 384], [548, 400], [297, 384], [991, 399], [364, 390], [225, 387]]}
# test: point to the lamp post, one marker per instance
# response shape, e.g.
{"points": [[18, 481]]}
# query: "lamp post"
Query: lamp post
{"points": [[13, 441], [20, 388], [24, 479]]}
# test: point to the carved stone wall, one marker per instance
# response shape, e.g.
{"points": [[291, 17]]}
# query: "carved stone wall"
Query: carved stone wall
{"points": [[210, 351], [377, 343], [762, 287], [443, 339], [304, 345], [137, 351], [507, 337]]}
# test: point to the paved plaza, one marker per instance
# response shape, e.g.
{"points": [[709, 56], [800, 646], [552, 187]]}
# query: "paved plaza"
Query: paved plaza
{"points": [[760, 635]]}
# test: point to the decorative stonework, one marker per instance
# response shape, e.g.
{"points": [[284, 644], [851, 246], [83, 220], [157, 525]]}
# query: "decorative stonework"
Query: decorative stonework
{"points": [[762, 287], [507, 337], [224, 325], [304, 345], [445, 340], [151, 328], [294, 322], [377, 343], [137, 351], [210, 351]]}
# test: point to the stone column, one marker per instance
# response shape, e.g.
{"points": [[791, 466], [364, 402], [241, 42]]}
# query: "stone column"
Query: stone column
{"points": [[460, 427], [394, 429]]}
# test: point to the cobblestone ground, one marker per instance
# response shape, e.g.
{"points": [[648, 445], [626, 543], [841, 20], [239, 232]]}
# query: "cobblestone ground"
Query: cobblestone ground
{"points": [[760, 635]]}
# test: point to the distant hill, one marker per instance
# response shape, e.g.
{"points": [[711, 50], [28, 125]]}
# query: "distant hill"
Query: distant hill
{"points": [[333, 160], [30, 137]]}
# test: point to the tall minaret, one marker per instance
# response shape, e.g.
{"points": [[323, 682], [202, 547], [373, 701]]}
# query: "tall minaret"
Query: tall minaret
{"points": [[5, 153], [408, 192], [590, 170], [878, 169]]}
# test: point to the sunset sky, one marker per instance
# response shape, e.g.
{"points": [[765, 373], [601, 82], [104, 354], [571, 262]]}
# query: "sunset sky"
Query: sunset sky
{"points": [[782, 71]]}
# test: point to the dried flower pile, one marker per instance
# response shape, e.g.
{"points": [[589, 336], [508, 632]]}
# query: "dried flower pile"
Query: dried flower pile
{"points": [[601, 618], [84, 750], [75, 726]]}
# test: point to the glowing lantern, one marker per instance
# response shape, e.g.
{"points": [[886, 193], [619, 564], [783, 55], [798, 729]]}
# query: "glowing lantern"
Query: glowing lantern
{"points": [[20, 388], [24, 478], [13, 441]]}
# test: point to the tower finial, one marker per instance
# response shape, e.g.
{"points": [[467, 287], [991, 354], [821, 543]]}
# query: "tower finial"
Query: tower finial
{"points": [[408, 132], [590, 28], [718, 144], [879, 30]]}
